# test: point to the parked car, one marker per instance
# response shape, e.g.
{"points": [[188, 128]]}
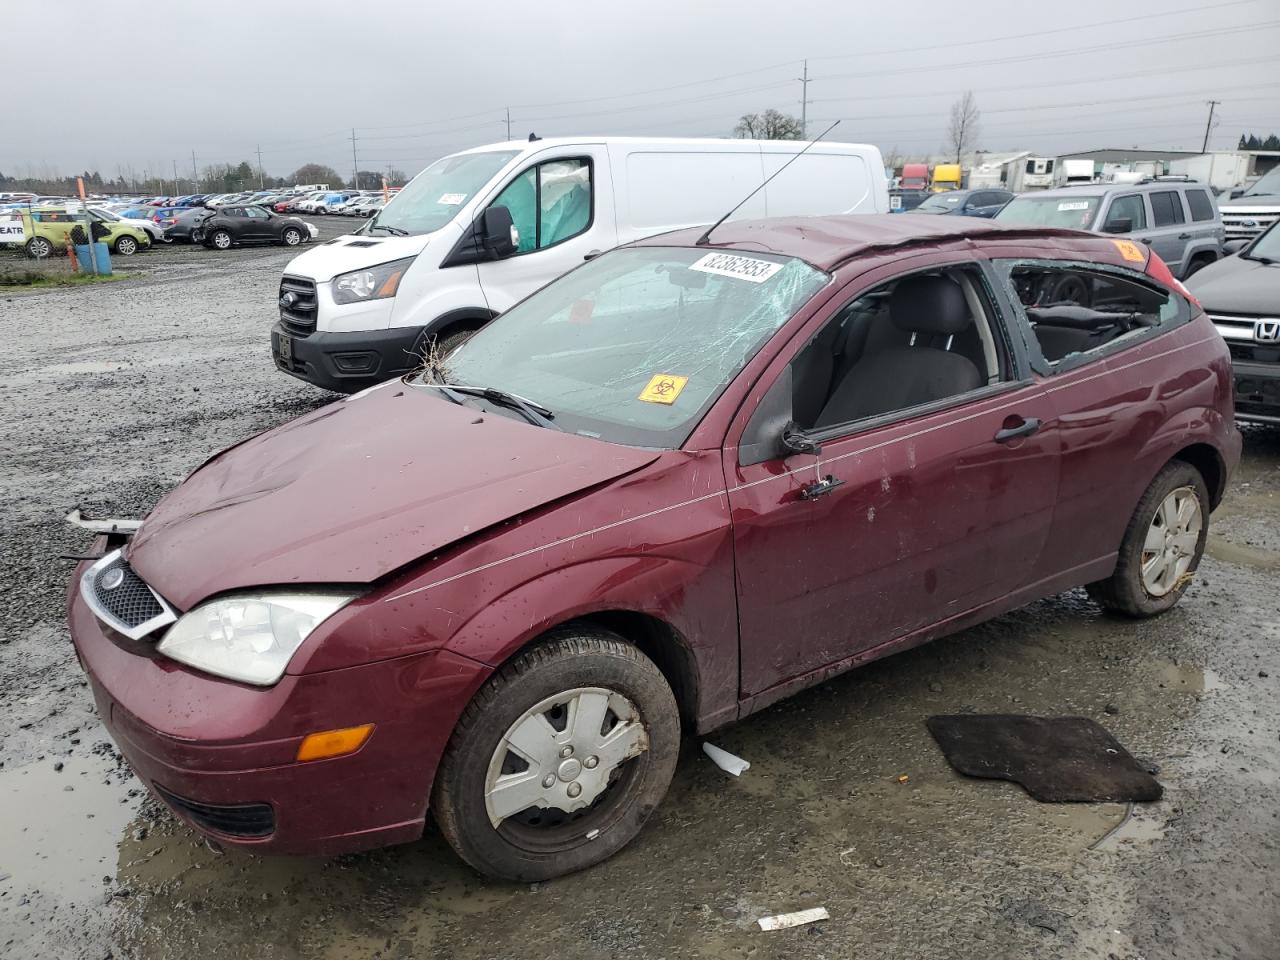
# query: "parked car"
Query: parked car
{"points": [[186, 223], [329, 203], [388, 294], [678, 484], [966, 203], [1246, 213], [48, 230], [249, 223], [1179, 221], [307, 202], [1241, 294], [154, 231]]}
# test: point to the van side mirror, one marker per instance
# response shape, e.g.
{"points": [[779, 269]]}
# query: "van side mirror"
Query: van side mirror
{"points": [[1118, 225], [499, 235], [1232, 247]]}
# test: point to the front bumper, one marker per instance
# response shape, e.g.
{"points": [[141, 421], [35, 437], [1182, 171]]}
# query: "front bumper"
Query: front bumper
{"points": [[221, 754], [347, 362], [1257, 391]]}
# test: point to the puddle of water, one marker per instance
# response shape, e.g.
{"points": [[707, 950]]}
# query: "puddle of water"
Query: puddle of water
{"points": [[1138, 829], [1238, 553], [1188, 677], [67, 841]]}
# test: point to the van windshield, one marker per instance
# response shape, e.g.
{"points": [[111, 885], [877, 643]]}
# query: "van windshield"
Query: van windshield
{"points": [[636, 345], [433, 197], [1072, 212]]}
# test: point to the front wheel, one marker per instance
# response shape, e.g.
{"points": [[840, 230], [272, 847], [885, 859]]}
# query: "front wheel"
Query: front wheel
{"points": [[291, 237], [1162, 545], [560, 759], [126, 246], [220, 240]]}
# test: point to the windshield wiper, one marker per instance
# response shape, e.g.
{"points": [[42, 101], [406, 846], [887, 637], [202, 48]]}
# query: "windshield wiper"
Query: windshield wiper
{"points": [[534, 412], [1266, 261], [394, 231]]}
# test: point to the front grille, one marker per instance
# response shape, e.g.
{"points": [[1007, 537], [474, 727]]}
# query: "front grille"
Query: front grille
{"points": [[249, 820], [121, 599], [1254, 354], [299, 317], [1245, 226]]}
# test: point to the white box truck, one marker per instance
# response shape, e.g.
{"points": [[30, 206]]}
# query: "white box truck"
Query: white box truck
{"points": [[428, 269]]}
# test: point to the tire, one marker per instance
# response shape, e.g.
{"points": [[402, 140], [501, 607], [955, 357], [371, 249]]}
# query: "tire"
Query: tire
{"points": [[126, 246], [573, 671], [291, 236], [219, 240], [38, 248], [1150, 538], [450, 342], [1198, 262]]}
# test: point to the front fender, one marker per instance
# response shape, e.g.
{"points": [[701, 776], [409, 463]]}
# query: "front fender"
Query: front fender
{"points": [[696, 601]]}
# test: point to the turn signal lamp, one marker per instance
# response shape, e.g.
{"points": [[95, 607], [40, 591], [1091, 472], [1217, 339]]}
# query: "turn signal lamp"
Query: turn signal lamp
{"points": [[333, 743]]}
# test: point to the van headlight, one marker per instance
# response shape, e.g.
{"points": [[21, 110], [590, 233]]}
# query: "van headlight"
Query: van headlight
{"points": [[251, 637], [371, 283]]}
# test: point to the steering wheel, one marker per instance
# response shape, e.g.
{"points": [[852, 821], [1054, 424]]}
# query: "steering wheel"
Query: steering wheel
{"points": [[1067, 288]]}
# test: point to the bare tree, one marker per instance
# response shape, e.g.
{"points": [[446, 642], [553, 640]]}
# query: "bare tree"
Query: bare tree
{"points": [[962, 131], [770, 125], [892, 158]]}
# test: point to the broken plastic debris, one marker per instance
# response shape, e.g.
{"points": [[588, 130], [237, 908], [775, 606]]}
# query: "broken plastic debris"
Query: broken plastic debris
{"points": [[725, 760], [798, 919], [76, 519], [903, 778]]}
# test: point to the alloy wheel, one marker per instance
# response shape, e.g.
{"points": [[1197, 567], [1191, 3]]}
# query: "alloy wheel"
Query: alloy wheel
{"points": [[1170, 545]]}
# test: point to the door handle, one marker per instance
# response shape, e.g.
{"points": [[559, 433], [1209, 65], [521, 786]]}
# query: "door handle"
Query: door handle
{"points": [[1024, 429], [1146, 240], [1184, 236], [592, 254], [820, 488]]}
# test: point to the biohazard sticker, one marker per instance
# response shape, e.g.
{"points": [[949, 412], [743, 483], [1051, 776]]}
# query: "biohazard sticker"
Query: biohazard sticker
{"points": [[664, 388], [740, 268], [1130, 251]]}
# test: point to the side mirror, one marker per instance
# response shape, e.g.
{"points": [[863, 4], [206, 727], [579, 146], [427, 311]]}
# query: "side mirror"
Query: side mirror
{"points": [[1118, 225], [794, 440], [499, 235], [1232, 247]]}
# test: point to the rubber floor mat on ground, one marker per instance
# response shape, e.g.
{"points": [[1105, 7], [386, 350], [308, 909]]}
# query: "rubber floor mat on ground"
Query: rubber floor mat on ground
{"points": [[1057, 759]]}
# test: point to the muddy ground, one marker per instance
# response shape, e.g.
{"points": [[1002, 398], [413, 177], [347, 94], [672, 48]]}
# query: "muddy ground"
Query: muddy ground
{"points": [[109, 395]]}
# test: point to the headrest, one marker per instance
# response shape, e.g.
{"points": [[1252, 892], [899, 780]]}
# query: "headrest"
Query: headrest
{"points": [[929, 305]]}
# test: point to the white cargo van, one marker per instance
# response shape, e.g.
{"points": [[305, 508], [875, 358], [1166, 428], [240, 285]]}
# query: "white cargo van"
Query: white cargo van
{"points": [[479, 230]]}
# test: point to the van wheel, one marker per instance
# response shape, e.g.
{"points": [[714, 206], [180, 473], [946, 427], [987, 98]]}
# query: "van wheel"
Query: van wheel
{"points": [[450, 342], [560, 759], [126, 246], [1162, 545], [38, 248]]}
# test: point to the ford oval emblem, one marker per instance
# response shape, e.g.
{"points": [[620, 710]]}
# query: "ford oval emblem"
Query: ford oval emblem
{"points": [[112, 579], [288, 300], [1248, 223]]}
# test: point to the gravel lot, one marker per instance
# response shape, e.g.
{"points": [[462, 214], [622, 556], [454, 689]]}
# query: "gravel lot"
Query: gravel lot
{"points": [[109, 395]]}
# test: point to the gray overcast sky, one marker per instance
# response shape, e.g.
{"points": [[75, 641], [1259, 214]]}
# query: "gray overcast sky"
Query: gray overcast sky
{"points": [[419, 80]]}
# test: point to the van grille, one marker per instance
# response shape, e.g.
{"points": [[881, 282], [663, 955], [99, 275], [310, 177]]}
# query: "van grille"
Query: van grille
{"points": [[298, 305], [1246, 226]]}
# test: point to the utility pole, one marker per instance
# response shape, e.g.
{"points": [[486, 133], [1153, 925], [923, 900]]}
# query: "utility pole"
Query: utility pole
{"points": [[1209, 126], [176, 188], [195, 176], [508, 123], [804, 102], [355, 169]]}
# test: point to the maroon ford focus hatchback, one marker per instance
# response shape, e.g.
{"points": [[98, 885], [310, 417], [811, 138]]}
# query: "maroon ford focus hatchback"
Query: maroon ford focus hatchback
{"points": [[681, 482]]}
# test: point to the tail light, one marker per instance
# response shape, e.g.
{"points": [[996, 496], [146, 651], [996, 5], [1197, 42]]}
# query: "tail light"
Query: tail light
{"points": [[1157, 269]]}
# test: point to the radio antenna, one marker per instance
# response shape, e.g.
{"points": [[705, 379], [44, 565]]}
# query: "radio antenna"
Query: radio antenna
{"points": [[702, 240]]}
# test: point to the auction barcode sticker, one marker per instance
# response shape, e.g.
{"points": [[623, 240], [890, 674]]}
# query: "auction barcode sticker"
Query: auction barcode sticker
{"points": [[740, 268], [1074, 205], [452, 199]]}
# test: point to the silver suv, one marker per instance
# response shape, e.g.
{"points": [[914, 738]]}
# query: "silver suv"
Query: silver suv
{"points": [[1247, 215], [1176, 219]]}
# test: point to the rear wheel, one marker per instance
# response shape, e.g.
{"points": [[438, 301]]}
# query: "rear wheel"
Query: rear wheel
{"points": [[38, 248], [1162, 545], [560, 759]]}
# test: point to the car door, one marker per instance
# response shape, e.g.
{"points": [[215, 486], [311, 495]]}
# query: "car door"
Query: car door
{"points": [[1168, 234], [260, 226], [1125, 214], [562, 207], [901, 520]]}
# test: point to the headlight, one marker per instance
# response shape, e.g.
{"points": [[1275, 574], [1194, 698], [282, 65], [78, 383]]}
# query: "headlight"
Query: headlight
{"points": [[249, 638], [371, 283]]}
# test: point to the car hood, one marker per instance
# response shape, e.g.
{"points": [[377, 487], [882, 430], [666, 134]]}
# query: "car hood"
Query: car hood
{"points": [[356, 490], [351, 252], [1237, 285]]}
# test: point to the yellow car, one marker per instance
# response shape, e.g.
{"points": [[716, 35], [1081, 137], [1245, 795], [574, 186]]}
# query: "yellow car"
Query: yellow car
{"points": [[48, 229]]}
